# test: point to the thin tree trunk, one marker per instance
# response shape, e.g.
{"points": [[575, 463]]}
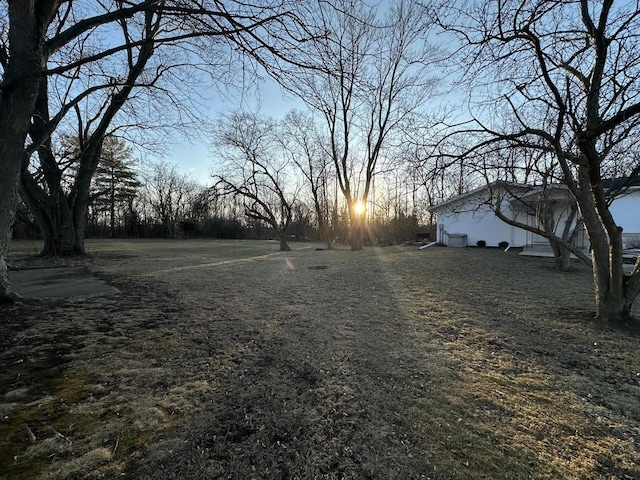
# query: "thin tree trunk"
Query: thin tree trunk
{"points": [[356, 221], [562, 256], [112, 204], [322, 224]]}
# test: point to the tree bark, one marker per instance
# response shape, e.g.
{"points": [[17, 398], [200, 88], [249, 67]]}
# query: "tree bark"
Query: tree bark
{"points": [[54, 216], [613, 300], [284, 246], [27, 26], [356, 221], [561, 256]]}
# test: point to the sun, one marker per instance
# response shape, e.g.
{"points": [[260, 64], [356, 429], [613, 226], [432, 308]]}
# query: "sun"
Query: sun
{"points": [[359, 208]]}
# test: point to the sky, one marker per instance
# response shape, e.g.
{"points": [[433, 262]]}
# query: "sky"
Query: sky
{"points": [[195, 158]]}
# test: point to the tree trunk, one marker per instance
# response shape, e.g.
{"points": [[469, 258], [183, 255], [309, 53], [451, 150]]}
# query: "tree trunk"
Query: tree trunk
{"points": [[61, 237], [112, 206], [613, 300], [561, 255], [356, 236], [356, 220], [17, 103], [284, 246], [10, 154], [322, 223], [54, 214], [7, 207]]}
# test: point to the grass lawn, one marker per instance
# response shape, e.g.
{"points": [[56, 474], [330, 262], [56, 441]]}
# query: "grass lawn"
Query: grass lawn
{"points": [[231, 360]]}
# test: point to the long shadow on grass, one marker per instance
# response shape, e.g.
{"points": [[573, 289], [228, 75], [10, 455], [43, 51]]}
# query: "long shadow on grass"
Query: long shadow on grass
{"points": [[329, 373]]}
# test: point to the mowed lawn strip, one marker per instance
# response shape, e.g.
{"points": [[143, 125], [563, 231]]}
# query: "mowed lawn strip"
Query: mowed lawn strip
{"points": [[226, 359]]}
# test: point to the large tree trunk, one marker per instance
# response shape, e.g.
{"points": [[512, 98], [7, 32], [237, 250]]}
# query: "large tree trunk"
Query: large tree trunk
{"points": [[284, 246], [7, 213], [613, 297], [62, 216], [615, 293], [64, 237], [61, 234], [27, 26], [10, 152], [58, 226], [53, 213]]}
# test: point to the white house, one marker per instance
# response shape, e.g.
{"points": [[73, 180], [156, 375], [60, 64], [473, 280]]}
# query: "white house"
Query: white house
{"points": [[471, 214], [626, 212]]}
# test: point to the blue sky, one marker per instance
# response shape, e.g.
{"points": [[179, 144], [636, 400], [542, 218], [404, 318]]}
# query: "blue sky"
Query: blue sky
{"points": [[195, 158]]}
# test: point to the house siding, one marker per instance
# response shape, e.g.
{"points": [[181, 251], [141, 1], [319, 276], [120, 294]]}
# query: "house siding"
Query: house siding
{"points": [[478, 224], [470, 216], [626, 212]]}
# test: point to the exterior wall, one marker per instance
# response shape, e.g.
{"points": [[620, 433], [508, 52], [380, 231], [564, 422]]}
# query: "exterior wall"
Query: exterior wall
{"points": [[626, 213], [561, 214], [478, 224]]}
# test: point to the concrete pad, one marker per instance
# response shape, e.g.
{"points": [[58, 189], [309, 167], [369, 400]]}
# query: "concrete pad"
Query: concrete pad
{"points": [[58, 282]]}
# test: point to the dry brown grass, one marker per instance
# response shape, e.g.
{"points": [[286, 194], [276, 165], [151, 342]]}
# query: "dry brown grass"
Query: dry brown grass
{"points": [[232, 360]]}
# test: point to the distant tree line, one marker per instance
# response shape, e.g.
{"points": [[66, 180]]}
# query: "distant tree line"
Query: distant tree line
{"points": [[133, 200]]}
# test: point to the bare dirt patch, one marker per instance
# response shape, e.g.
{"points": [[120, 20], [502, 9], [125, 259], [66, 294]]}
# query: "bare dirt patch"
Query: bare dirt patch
{"points": [[233, 360]]}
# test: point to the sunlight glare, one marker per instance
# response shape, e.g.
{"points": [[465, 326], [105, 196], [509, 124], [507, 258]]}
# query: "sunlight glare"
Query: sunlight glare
{"points": [[359, 208]]}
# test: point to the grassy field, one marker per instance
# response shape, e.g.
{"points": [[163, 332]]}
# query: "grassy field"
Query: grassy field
{"points": [[232, 360]]}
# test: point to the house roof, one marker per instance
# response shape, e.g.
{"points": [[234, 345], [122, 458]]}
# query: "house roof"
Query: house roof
{"points": [[614, 184], [474, 192], [621, 182], [455, 198]]}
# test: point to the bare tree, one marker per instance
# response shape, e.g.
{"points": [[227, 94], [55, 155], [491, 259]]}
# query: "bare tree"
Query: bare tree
{"points": [[566, 75], [255, 169], [304, 145], [46, 41], [375, 77], [62, 213], [169, 194]]}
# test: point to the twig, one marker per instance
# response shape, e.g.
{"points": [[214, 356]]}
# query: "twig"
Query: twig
{"points": [[60, 436], [30, 434]]}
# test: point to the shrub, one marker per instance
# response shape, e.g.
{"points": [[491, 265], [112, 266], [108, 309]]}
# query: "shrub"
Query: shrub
{"points": [[481, 243], [503, 244]]}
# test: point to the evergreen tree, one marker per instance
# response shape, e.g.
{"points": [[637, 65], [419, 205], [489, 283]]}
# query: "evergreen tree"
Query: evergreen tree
{"points": [[115, 184]]}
